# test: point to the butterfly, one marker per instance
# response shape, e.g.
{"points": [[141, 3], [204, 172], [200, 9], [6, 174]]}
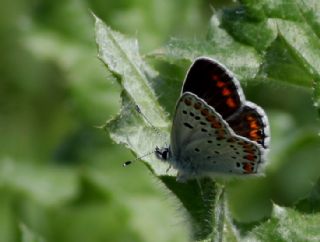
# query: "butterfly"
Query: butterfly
{"points": [[215, 131]]}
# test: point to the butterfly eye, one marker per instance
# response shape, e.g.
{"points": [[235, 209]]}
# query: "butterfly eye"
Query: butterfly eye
{"points": [[162, 153], [165, 154]]}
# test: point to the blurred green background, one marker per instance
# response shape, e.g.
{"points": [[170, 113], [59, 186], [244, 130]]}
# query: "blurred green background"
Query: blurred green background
{"points": [[62, 177]]}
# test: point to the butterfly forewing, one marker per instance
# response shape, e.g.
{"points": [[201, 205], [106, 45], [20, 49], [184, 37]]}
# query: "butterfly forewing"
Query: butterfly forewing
{"points": [[213, 83]]}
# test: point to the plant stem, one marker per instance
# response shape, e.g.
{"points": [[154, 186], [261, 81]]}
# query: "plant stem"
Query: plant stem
{"points": [[219, 214], [220, 210]]}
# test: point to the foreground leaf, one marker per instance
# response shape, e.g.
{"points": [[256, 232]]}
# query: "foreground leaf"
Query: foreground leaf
{"points": [[121, 55], [129, 128]]}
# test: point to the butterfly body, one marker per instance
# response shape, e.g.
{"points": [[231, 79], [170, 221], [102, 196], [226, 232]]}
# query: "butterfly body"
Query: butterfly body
{"points": [[215, 131]]}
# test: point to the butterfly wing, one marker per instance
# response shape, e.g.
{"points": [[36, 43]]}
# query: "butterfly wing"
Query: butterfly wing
{"points": [[217, 86], [202, 143], [251, 122]]}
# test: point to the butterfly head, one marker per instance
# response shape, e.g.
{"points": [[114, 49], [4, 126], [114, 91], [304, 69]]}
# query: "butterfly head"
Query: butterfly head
{"points": [[163, 153]]}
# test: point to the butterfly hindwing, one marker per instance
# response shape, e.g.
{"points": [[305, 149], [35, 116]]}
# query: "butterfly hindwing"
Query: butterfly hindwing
{"points": [[202, 143], [251, 122]]}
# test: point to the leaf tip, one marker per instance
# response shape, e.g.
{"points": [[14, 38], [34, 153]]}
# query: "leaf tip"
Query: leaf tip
{"points": [[278, 211]]}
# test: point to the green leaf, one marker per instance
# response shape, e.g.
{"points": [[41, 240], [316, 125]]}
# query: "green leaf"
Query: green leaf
{"points": [[287, 224], [121, 55], [304, 43], [311, 203], [281, 65], [129, 129], [259, 34], [286, 33], [244, 61]]}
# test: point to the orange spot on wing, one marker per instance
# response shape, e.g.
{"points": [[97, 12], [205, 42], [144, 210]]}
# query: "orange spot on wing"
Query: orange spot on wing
{"points": [[253, 134], [247, 167], [250, 151], [220, 84], [205, 112], [250, 118], [249, 157], [211, 118], [253, 125], [226, 92], [231, 103], [216, 125], [187, 101], [197, 105]]}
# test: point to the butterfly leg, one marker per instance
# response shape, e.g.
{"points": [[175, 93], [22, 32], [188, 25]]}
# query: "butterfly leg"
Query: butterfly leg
{"points": [[168, 169]]}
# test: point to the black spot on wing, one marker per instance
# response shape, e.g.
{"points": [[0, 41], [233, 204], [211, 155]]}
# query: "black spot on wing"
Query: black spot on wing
{"points": [[188, 125]]}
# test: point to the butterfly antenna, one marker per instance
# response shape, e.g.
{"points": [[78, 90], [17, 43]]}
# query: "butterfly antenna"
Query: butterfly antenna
{"points": [[148, 121], [129, 162]]}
